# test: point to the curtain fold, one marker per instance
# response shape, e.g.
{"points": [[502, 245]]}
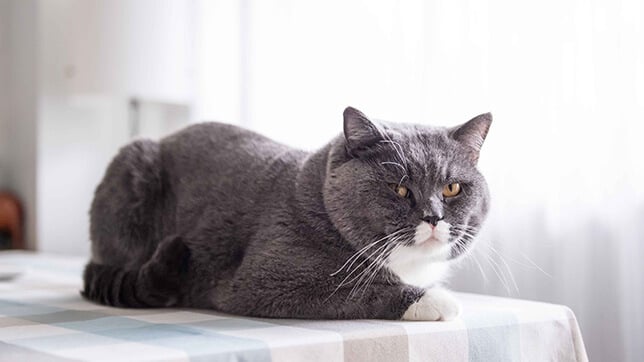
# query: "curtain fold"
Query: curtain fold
{"points": [[565, 82]]}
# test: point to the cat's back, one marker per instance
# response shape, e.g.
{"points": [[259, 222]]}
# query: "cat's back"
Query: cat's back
{"points": [[214, 143], [225, 168]]}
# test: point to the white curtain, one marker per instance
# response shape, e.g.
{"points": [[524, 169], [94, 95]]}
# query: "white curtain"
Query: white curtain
{"points": [[564, 80]]}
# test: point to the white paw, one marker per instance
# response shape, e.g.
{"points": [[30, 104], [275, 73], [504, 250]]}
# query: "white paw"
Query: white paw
{"points": [[436, 305]]}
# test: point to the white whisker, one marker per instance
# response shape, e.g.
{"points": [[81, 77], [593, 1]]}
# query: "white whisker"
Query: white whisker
{"points": [[485, 279], [368, 259], [397, 147], [499, 272], [382, 263], [507, 267], [355, 256], [395, 164], [402, 179], [534, 264], [373, 263]]}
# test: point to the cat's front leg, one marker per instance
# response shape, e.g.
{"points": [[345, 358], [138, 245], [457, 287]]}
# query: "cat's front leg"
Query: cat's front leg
{"points": [[437, 304]]}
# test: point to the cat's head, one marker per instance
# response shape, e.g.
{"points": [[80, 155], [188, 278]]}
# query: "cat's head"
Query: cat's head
{"points": [[407, 186]]}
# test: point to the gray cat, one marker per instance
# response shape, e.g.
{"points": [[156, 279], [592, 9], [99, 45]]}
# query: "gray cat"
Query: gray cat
{"points": [[219, 217]]}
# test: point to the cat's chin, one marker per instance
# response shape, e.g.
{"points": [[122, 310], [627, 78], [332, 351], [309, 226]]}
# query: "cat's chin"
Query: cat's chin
{"points": [[430, 251], [432, 243]]}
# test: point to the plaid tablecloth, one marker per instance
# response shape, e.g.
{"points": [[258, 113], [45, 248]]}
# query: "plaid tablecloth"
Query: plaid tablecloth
{"points": [[42, 317]]}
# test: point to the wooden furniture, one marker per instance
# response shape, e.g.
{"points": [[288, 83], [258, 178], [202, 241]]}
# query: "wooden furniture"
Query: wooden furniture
{"points": [[11, 221]]}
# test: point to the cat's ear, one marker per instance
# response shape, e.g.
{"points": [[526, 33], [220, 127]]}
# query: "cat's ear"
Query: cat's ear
{"points": [[359, 132], [472, 133]]}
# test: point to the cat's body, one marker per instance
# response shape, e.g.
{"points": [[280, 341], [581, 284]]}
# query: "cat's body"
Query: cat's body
{"points": [[219, 217]]}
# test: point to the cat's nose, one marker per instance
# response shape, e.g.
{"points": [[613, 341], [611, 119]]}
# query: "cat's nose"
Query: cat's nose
{"points": [[432, 219]]}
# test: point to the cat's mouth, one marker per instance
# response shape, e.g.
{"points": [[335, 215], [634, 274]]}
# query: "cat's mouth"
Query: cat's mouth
{"points": [[431, 237]]}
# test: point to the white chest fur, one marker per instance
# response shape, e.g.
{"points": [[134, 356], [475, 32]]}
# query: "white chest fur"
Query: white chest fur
{"points": [[415, 268], [422, 264]]}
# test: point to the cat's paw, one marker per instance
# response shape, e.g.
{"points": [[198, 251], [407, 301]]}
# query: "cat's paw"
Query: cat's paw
{"points": [[172, 255], [435, 305], [160, 278]]}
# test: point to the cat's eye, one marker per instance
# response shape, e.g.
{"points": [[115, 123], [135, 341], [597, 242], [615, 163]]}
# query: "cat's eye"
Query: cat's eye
{"points": [[401, 190], [452, 190]]}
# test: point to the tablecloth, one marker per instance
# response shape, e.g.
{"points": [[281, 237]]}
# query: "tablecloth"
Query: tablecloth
{"points": [[43, 317]]}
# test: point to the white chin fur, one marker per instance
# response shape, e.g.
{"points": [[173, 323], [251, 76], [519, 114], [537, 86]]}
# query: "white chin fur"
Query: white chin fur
{"points": [[425, 262]]}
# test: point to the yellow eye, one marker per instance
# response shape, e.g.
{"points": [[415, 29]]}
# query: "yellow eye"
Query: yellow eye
{"points": [[401, 190], [452, 190]]}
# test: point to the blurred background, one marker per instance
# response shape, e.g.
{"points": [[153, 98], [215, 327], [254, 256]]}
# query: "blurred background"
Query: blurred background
{"points": [[564, 80]]}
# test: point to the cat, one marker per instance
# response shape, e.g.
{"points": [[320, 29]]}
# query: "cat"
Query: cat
{"points": [[216, 216]]}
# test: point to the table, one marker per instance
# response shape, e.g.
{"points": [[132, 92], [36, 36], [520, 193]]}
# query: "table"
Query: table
{"points": [[43, 317]]}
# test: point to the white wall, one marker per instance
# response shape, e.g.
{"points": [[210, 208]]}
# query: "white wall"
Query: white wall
{"points": [[19, 19], [219, 94], [77, 137], [4, 87], [71, 67], [120, 48], [93, 57]]}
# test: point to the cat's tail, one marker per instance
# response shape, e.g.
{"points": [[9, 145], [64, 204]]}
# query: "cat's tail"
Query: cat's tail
{"points": [[157, 283]]}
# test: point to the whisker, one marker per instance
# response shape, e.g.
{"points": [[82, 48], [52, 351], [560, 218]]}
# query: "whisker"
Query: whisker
{"points": [[467, 228], [364, 249], [468, 232], [373, 268], [505, 275], [398, 149], [345, 281], [392, 235], [534, 264], [507, 267], [478, 264], [494, 267], [395, 164], [402, 179], [378, 259], [382, 264]]}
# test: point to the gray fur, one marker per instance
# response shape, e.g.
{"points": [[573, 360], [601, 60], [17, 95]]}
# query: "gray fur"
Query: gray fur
{"points": [[220, 217]]}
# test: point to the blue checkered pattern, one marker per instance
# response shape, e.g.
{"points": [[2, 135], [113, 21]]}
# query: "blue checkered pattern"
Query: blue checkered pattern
{"points": [[43, 317]]}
